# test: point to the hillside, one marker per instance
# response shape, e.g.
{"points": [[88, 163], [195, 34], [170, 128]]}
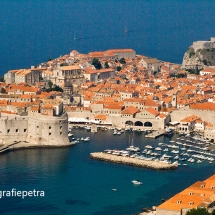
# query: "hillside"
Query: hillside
{"points": [[202, 57]]}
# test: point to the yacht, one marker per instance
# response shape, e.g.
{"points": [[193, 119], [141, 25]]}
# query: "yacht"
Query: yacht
{"points": [[136, 182], [87, 139]]}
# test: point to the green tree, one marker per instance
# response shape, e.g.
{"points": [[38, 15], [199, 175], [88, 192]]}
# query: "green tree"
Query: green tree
{"points": [[106, 65], [198, 211], [57, 88], [1, 79], [64, 64], [3, 90], [122, 60], [180, 75], [50, 84], [96, 63], [118, 68], [205, 62]]}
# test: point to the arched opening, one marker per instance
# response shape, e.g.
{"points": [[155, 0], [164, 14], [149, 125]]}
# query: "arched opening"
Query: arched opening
{"points": [[148, 124], [138, 123], [129, 123]]}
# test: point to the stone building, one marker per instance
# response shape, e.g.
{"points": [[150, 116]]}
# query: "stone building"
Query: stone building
{"points": [[27, 76]]}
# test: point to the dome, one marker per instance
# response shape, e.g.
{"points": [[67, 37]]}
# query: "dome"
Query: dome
{"points": [[155, 98]]}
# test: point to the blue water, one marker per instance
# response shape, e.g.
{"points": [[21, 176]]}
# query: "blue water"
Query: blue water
{"points": [[31, 32], [34, 31], [75, 184]]}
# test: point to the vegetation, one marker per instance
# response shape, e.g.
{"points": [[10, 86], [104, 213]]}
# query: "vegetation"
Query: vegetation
{"points": [[3, 90], [180, 75], [96, 63], [118, 68], [122, 60], [204, 62], [51, 88], [106, 65], [191, 53], [50, 84], [194, 71], [199, 211], [2, 79], [64, 64]]}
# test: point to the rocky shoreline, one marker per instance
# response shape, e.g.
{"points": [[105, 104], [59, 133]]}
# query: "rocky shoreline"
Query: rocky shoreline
{"points": [[132, 161]]}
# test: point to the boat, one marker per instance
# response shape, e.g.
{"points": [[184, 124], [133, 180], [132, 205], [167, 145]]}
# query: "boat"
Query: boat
{"points": [[114, 189], [75, 38], [87, 139], [125, 30], [115, 132], [136, 182]]}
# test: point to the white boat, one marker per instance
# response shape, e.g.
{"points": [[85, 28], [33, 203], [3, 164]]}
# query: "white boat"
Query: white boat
{"points": [[87, 139], [114, 189], [199, 161], [149, 147], [136, 182]]}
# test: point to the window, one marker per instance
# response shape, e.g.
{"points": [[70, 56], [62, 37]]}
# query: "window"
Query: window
{"points": [[50, 127], [17, 130], [191, 193], [25, 130], [8, 131], [191, 203], [179, 202], [213, 187], [50, 134], [60, 133], [61, 127], [202, 186]]}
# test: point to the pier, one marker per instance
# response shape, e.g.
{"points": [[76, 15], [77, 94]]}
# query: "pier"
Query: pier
{"points": [[155, 134], [157, 165]]}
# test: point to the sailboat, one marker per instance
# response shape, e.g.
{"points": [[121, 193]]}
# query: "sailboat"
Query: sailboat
{"points": [[132, 147], [75, 36]]}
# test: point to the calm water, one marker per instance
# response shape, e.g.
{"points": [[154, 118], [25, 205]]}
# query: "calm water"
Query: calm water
{"points": [[31, 32], [75, 184], [34, 31]]}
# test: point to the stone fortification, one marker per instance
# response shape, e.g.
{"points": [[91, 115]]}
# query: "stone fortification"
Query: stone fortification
{"points": [[200, 54], [206, 115], [34, 131]]}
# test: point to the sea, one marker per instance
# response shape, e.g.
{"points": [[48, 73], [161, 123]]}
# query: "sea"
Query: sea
{"points": [[32, 32], [73, 183]]}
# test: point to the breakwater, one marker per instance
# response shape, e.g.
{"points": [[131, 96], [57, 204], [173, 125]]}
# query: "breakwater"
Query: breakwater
{"points": [[157, 165]]}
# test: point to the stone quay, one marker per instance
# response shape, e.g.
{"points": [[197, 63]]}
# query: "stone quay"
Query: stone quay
{"points": [[157, 165]]}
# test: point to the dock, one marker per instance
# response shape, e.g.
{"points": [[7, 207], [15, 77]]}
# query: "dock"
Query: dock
{"points": [[155, 134], [157, 165]]}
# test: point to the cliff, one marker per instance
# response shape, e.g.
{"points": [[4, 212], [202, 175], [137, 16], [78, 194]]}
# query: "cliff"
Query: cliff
{"points": [[201, 57]]}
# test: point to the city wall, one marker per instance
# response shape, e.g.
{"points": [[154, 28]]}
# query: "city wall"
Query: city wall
{"points": [[34, 131], [206, 115]]}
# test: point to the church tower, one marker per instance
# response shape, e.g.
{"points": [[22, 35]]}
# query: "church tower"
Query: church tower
{"points": [[174, 100]]}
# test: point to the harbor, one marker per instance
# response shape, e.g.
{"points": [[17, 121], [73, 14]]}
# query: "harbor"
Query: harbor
{"points": [[157, 165]]}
